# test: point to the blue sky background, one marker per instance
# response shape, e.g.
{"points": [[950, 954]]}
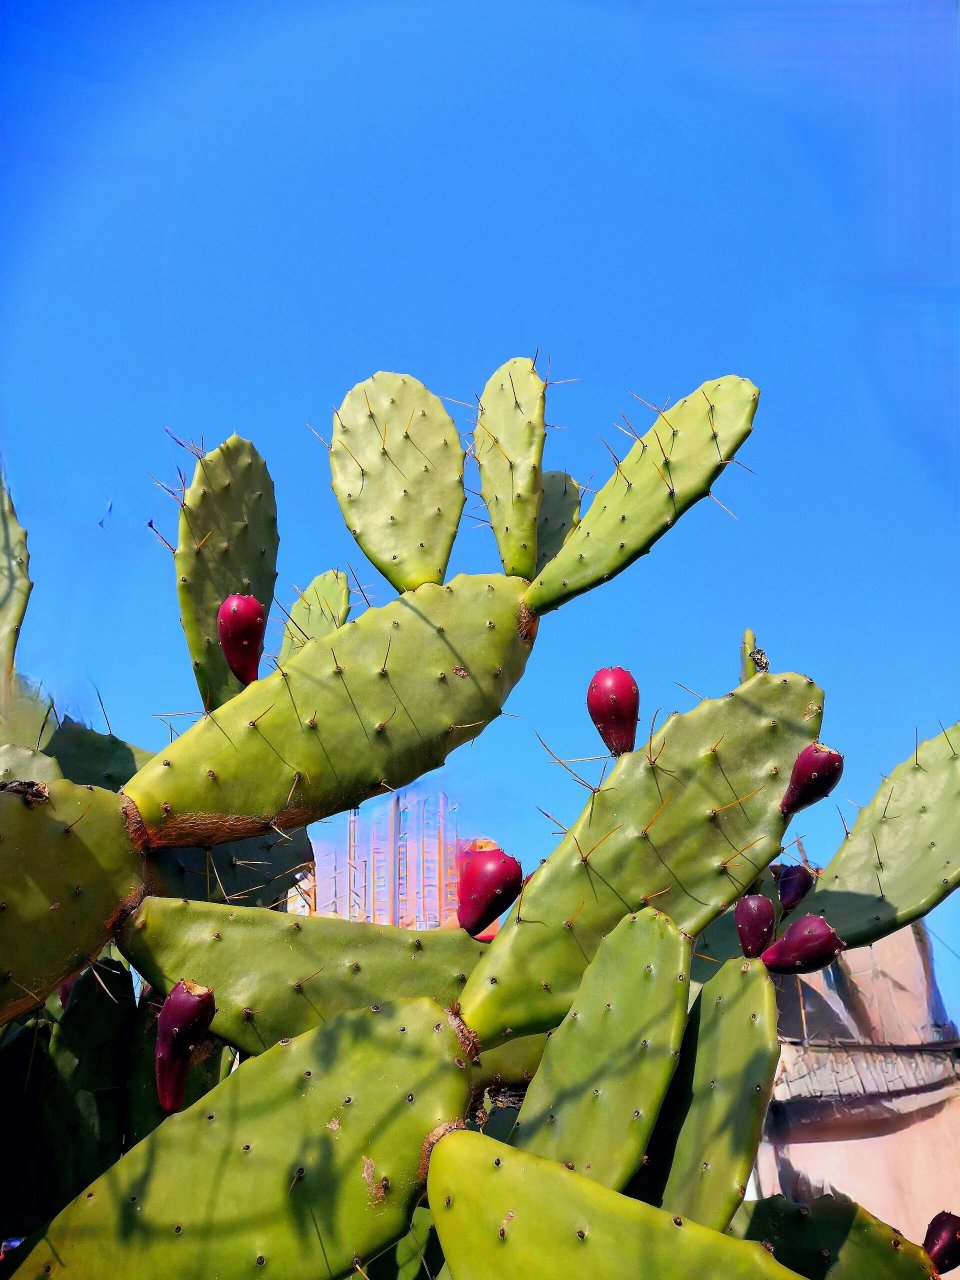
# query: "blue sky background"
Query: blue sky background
{"points": [[219, 217]]}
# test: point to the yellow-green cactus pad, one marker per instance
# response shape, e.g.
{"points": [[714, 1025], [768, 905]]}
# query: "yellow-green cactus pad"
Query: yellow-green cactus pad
{"points": [[361, 712], [685, 823], [227, 545], [397, 467], [322, 608], [508, 443], [664, 474], [559, 515], [15, 584], [502, 1214]]}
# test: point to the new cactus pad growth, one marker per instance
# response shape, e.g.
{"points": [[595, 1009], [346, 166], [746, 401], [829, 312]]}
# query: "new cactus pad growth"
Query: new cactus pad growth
{"points": [[756, 920], [816, 771], [184, 1021], [805, 946], [942, 1241], [241, 623], [489, 883], [613, 701], [793, 885]]}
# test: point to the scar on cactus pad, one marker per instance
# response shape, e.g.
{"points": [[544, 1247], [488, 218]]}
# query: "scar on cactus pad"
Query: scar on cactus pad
{"points": [[489, 883], [613, 702], [241, 623], [184, 1021], [816, 771]]}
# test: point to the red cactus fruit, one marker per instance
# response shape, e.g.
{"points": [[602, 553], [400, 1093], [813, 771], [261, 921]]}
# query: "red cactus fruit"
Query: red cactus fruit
{"points": [[805, 946], [793, 885], [489, 883], [241, 623], [613, 701], [755, 919], [942, 1241], [816, 771], [183, 1022], [66, 986]]}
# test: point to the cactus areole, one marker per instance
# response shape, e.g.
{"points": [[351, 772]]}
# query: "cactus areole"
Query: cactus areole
{"points": [[613, 702], [816, 771], [942, 1241], [756, 920], [489, 883], [184, 1021], [241, 623], [807, 945]]}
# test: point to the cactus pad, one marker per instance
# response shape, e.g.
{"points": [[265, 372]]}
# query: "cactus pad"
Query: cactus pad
{"points": [[306, 1158], [15, 584], [664, 474], [508, 443], [686, 823], [901, 857], [559, 515], [363, 711], [504, 1213], [605, 1070], [257, 872], [67, 868], [308, 968], [397, 467], [831, 1239], [227, 545], [706, 1139], [322, 608]]}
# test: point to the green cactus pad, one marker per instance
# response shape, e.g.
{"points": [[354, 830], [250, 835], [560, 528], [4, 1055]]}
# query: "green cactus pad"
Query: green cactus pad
{"points": [[227, 545], [706, 1139], [15, 584], [831, 1239], [558, 517], [508, 443], [512, 1063], [685, 823], [89, 758], [749, 654], [63, 1081], [322, 608], [506, 1213], [363, 711], [308, 968], [666, 472], [902, 856], [306, 1158], [605, 1070], [67, 869], [397, 467], [416, 1256], [257, 872], [21, 764]]}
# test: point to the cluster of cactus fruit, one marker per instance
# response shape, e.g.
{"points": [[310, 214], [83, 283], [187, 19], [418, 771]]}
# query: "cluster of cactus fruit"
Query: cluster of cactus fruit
{"points": [[310, 1097]]}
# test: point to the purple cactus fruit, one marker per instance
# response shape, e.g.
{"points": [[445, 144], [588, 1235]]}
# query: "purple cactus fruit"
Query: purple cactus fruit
{"points": [[489, 883], [755, 919], [816, 771], [793, 885], [942, 1241], [183, 1022], [241, 623], [805, 946], [613, 701]]}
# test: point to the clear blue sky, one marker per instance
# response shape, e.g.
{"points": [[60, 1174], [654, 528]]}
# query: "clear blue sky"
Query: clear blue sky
{"points": [[219, 217]]}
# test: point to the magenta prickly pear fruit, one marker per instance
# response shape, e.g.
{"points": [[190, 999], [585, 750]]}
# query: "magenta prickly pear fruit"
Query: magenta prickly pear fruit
{"points": [[489, 883], [613, 701], [793, 885], [183, 1022], [241, 623], [942, 1241], [66, 986], [807, 945], [755, 919], [816, 771]]}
